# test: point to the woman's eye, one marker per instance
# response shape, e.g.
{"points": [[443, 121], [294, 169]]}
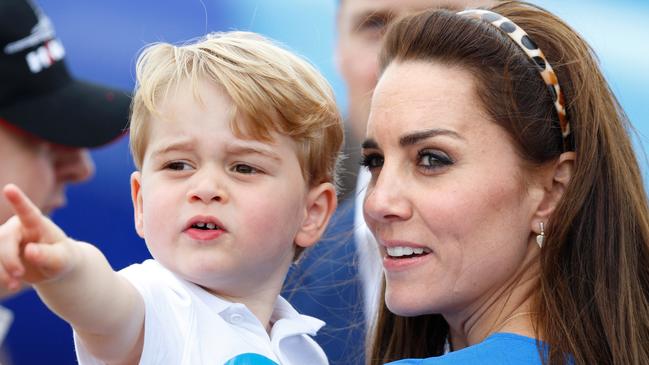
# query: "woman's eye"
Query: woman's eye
{"points": [[178, 166], [372, 161], [429, 159], [245, 169]]}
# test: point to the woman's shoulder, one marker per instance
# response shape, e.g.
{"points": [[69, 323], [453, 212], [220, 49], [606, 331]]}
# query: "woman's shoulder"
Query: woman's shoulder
{"points": [[499, 348]]}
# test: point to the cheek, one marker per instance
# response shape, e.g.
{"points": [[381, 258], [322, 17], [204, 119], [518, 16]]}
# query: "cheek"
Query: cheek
{"points": [[274, 216], [158, 211], [364, 76], [35, 176], [480, 209], [481, 230], [263, 215]]}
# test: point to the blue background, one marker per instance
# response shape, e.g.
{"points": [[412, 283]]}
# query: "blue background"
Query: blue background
{"points": [[102, 39]]}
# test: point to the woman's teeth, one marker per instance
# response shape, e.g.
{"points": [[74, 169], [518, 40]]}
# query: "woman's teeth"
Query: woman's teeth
{"points": [[399, 251]]}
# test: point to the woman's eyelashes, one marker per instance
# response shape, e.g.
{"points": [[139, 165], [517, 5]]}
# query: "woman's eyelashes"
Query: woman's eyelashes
{"points": [[371, 161], [430, 159], [427, 159]]}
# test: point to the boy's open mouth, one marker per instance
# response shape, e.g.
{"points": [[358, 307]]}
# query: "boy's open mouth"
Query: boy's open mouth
{"points": [[205, 226]]}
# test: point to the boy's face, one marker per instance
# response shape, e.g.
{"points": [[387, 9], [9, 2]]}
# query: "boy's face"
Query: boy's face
{"points": [[218, 210]]}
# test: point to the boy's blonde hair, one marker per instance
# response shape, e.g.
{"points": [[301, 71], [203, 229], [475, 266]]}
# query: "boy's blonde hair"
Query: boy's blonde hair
{"points": [[272, 89]]}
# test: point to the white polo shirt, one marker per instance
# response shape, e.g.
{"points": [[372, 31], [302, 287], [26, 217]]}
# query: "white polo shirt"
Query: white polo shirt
{"points": [[184, 324]]}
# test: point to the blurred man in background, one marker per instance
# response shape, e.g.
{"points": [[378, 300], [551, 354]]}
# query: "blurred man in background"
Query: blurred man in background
{"points": [[48, 120]]}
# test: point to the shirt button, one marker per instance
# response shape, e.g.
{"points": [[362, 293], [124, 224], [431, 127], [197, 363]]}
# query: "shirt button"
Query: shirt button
{"points": [[236, 318]]}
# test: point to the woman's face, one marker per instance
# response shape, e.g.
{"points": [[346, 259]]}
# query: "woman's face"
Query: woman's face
{"points": [[447, 202]]}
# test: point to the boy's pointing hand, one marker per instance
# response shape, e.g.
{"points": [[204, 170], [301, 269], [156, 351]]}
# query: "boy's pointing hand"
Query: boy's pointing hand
{"points": [[32, 248]]}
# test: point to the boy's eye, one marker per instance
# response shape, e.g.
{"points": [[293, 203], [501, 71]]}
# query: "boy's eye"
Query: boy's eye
{"points": [[244, 169], [178, 166], [372, 161]]}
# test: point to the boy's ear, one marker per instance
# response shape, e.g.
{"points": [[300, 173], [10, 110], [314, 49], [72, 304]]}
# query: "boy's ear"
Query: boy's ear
{"points": [[136, 197], [555, 182], [321, 203]]}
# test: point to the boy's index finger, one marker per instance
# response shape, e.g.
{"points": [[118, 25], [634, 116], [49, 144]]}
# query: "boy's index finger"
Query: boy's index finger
{"points": [[28, 213]]}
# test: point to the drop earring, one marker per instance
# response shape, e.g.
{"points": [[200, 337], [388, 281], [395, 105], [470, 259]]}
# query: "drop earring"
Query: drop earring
{"points": [[541, 236]]}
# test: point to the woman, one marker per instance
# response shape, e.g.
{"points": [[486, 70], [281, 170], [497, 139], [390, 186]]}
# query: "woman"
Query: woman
{"points": [[508, 206]]}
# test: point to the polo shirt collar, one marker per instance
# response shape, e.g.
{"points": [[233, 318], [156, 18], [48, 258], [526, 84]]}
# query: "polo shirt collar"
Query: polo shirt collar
{"points": [[285, 319]]}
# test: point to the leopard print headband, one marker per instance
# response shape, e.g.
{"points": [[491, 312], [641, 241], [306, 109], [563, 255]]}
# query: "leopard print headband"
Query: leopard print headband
{"points": [[534, 53]]}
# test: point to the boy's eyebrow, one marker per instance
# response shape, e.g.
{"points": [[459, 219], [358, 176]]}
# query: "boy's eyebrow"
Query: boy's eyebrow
{"points": [[184, 145], [242, 148], [235, 147]]}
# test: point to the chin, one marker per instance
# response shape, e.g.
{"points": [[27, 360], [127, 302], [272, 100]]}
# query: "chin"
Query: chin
{"points": [[405, 304]]}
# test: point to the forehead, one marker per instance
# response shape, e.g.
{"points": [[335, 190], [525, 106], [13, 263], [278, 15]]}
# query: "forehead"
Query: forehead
{"points": [[201, 111], [185, 103], [421, 95]]}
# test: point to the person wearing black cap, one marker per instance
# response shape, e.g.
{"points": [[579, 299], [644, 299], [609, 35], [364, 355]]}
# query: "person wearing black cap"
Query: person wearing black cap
{"points": [[48, 119]]}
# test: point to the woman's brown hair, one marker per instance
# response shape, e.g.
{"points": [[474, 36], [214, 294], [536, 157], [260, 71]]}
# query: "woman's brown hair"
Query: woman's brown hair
{"points": [[592, 302]]}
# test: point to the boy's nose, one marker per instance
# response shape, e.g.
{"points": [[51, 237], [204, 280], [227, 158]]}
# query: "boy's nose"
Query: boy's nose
{"points": [[207, 189]]}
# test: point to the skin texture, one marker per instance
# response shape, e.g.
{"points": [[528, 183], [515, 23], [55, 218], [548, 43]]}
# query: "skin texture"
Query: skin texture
{"points": [[448, 179], [361, 24], [40, 169], [193, 167]]}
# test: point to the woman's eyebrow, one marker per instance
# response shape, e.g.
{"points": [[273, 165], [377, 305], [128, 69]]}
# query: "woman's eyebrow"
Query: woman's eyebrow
{"points": [[369, 143], [415, 137]]}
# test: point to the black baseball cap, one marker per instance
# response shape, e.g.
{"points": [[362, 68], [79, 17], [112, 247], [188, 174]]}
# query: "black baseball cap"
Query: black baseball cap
{"points": [[37, 93]]}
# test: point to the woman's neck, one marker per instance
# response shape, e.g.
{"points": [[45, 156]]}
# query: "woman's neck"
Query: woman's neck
{"points": [[509, 309]]}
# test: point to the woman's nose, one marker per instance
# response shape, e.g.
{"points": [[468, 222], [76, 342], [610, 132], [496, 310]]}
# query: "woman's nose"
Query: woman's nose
{"points": [[386, 198]]}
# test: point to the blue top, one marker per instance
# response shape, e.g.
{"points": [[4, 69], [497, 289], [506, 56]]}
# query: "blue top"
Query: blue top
{"points": [[497, 349], [250, 359]]}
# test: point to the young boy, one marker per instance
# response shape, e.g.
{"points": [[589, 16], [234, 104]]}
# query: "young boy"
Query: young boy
{"points": [[236, 142]]}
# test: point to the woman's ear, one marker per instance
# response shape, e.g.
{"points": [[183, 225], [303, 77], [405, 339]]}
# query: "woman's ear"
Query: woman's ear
{"points": [[136, 197], [321, 203], [555, 182]]}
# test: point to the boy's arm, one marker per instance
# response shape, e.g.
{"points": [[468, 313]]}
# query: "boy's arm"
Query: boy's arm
{"points": [[74, 280], [104, 309]]}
